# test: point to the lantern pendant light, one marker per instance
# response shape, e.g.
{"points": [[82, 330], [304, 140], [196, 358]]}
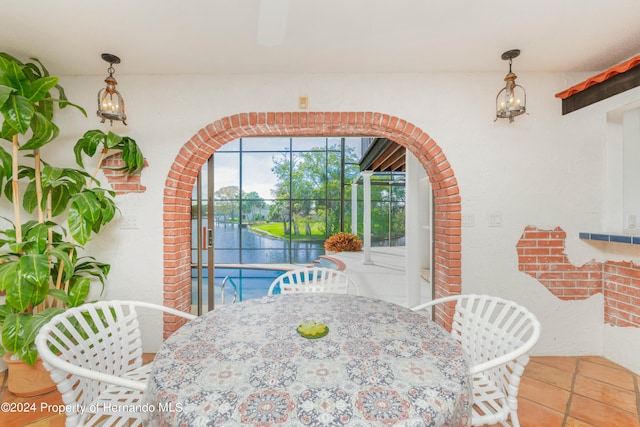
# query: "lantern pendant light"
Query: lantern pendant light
{"points": [[512, 99], [110, 102]]}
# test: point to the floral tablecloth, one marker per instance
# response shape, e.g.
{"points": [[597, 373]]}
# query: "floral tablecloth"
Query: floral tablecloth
{"points": [[246, 365]]}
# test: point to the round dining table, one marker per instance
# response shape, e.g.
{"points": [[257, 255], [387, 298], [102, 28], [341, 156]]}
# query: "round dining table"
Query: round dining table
{"points": [[245, 364]]}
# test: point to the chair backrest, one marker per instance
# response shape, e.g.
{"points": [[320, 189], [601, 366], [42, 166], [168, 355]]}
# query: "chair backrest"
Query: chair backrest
{"points": [[497, 334], [494, 330], [316, 279], [89, 347]]}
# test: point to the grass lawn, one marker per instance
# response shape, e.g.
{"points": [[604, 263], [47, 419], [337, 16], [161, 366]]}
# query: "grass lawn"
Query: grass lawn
{"points": [[277, 229]]}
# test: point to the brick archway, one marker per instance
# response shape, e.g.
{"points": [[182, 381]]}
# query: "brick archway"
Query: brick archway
{"points": [[196, 151]]}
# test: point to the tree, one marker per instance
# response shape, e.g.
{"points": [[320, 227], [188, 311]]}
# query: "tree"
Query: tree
{"points": [[387, 210], [280, 209], [226, 201], [252, 204], [315, 176]]}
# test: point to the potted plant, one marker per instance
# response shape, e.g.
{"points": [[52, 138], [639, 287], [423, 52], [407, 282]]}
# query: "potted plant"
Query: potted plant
{"points": [[343, 242], [43, 265]]}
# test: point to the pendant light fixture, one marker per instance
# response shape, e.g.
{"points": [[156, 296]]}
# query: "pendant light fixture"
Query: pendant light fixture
{"points": [[512, 99], [110, 102]]}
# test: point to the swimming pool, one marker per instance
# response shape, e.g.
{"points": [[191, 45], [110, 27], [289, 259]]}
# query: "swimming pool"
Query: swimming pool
{"points": [[250, 283]]}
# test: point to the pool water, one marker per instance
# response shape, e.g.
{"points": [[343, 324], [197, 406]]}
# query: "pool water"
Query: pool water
{"points": [[251, 283]]}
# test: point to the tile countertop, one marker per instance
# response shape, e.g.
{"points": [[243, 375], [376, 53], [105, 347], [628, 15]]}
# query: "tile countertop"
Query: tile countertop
{"points": [[614, 237]]}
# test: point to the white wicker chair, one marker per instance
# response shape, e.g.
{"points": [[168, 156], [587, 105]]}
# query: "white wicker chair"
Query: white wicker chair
{"points": [[94, 354], [316, 279], [497, 335]]}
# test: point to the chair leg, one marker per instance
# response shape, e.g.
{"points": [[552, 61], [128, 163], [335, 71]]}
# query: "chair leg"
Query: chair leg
{"points": [[514, 420]]}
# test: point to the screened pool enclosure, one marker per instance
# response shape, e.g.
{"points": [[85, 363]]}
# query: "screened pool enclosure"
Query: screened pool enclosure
{"points": [[274, 200]]}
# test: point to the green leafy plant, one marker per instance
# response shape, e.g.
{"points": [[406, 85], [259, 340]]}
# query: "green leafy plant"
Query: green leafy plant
{"points": [[343, 242], [41, 268]]}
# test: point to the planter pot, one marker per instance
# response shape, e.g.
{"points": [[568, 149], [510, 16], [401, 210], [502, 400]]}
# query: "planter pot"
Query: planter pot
{"points": [[25, 380]]}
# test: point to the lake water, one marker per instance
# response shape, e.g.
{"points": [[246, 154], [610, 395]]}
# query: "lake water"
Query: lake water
{"points": [[259, 249]]}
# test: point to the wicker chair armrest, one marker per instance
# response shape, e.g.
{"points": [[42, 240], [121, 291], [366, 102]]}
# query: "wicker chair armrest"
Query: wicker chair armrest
{"points": [[508, 357], [50, 358], [158, 307], [435, 302]]}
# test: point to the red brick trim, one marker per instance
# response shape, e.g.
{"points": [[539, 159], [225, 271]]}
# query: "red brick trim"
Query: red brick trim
{"points": [[195, 152]]}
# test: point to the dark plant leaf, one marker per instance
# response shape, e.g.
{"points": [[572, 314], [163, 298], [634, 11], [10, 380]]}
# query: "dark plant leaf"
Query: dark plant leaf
{"points": [[40, 88], [5, 91], [88, 144], [36, 322], [79, 291], [13, 331], [79, 228], [113, 140], [44, 131], [18, 112]]}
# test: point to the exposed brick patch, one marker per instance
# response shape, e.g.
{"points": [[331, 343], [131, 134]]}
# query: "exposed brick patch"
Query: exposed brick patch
{"points": [[120, 181], [622, 293], [195, 152], [541, 254]]}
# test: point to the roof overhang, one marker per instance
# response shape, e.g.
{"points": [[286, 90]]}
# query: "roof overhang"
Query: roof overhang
{"points": [[384, 155]]}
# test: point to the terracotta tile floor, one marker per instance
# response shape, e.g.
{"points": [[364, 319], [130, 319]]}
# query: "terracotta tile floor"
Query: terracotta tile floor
{"points": [[578, 392], [554, 392]]}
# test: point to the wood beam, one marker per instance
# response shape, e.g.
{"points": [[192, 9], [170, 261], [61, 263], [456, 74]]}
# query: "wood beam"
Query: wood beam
{"points": [[394, 162], [384, 155], [388, 157], [603, 90]]}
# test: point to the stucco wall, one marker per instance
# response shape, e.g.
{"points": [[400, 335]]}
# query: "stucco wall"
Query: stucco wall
{"points": [[545, 169]]}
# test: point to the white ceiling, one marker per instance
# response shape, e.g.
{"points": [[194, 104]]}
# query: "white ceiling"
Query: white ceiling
{"points": [[334, 36]]}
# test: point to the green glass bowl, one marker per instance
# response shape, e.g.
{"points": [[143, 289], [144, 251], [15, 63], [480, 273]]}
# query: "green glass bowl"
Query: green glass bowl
{"points": [[311, 337]]}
